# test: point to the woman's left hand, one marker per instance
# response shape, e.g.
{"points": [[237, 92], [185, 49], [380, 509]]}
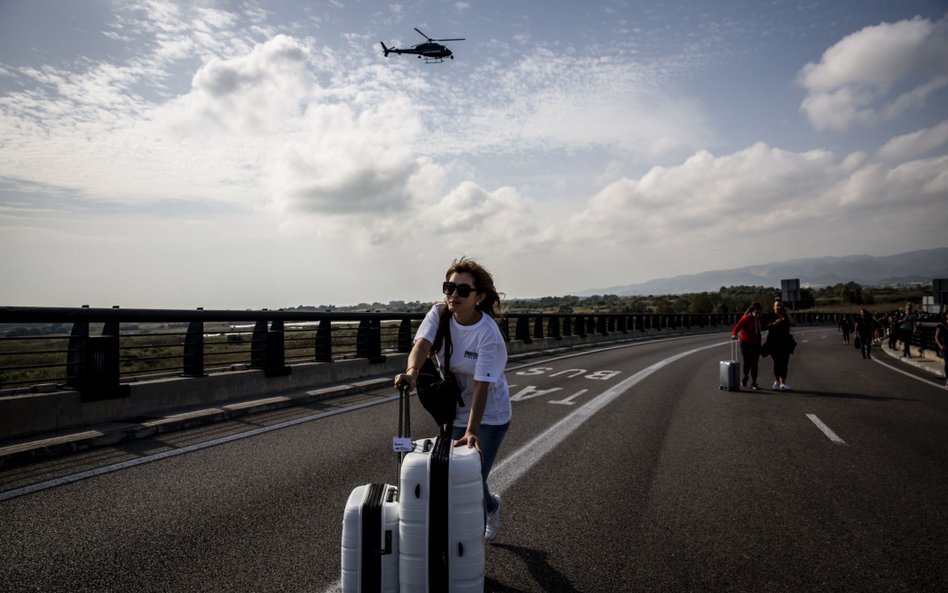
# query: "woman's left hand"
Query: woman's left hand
{"points": [[470, 439]]}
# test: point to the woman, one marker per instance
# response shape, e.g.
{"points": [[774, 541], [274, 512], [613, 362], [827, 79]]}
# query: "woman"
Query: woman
{"points": [[479, 355], [749, 327], [941, 339], [907, 330], [780, 343]]}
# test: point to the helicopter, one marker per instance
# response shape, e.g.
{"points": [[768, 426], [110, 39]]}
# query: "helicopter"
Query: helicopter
{"points": [[431, 51]]}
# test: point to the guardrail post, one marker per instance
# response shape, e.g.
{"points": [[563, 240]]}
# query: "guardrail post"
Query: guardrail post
{"points": [[601, 327], [567, 326], [369, 340], [404, 336], [555, 327], [92, 363], [267, 349], [194, 350], [581, 326], [75, 354], [324, 341], [538, 327], [523, 330]]}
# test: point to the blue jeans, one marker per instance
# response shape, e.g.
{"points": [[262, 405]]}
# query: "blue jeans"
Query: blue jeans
{"points": [[490, 436]]}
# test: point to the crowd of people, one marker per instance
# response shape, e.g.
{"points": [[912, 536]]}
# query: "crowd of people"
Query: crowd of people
{"points": [[863, 330], [896, 327]]}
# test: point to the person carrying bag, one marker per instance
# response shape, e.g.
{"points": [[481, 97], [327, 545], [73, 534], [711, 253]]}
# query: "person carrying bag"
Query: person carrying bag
{"points": [[471, 348]]}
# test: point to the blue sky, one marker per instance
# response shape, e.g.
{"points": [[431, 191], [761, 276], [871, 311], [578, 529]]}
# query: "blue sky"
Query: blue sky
{"points": [[244, 154]]}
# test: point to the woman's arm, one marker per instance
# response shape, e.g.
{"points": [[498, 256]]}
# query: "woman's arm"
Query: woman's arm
{"points": [[478, 403], [416, 358]]}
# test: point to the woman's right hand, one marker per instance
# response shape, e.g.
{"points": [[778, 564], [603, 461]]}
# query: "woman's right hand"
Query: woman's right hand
{"points": [[406, 378]]}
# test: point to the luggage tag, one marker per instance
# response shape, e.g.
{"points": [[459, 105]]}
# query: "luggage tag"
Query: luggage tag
{"points": [[401, 444]]}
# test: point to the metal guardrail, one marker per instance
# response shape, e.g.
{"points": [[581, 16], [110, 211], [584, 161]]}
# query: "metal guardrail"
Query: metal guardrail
{"points": [[99, 351]]}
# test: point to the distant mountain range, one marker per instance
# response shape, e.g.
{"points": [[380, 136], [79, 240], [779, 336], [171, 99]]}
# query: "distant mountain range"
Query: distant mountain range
{"points": [[904, 268]]}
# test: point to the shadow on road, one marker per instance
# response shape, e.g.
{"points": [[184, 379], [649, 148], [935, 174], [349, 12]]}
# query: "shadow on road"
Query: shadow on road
{"points": [[813, 393], [547, 577], [850, 395]]}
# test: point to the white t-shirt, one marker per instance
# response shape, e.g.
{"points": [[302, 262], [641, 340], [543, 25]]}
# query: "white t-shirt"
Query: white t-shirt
{"points": [[479, 353]]}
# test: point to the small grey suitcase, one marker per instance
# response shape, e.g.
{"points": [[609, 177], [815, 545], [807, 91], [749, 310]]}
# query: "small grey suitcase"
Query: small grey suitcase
{"points": [[731, 371]]}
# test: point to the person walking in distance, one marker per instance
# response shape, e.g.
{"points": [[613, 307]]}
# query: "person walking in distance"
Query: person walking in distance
{"points": [[907, 330], [941, 340], [846, 326], [780, 343], [866, 325], [478, 360], [748, 328]]}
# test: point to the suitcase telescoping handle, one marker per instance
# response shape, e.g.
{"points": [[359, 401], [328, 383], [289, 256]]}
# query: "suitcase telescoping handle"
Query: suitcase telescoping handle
{"points": [[734, 350], [402, 442]]}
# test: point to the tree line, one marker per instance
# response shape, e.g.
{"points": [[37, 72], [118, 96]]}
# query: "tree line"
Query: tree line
{"points": [[849, 296]]}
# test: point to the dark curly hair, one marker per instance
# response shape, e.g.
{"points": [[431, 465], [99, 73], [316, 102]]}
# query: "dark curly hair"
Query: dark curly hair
{"points": [[484, 284]]}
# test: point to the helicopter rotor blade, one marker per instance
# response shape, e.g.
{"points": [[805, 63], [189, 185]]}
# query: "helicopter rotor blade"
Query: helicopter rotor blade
{"points": [[457, 39], [423, 35]]}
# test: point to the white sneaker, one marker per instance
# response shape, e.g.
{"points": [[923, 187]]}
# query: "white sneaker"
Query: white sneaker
{"points": [[784, 387], [775, 386], [493, 522]]}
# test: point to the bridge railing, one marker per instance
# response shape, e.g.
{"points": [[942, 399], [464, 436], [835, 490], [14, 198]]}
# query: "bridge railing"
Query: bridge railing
{"points": [[98, 351]]}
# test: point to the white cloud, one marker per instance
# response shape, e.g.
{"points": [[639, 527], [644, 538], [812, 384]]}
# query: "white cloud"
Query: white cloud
{"points": [[548, 102], [876, 74], [910, 146], [746, 196]]}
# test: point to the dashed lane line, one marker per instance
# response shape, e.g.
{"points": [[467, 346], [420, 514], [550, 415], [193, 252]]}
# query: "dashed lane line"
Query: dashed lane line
{"points": [[826, 430]]}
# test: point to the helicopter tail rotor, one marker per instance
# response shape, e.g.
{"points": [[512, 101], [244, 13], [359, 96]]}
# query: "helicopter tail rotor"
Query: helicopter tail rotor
{"points": [[385, 49]]}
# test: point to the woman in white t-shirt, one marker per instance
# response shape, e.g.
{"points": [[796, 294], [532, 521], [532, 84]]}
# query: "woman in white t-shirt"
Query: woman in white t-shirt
{"points": [[478, 359]]}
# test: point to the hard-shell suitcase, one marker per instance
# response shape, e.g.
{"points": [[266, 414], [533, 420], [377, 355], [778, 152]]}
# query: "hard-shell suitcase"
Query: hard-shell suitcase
{"points": [[370, 540], [441, 533], [731, 371], [370, 526]]}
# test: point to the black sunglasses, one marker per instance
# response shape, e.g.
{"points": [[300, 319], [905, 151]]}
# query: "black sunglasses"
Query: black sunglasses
{"points": [[463, 290]]}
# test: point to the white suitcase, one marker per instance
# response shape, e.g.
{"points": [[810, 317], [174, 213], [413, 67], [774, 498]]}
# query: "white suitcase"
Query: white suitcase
{"points": [[730, 371], [441, 508], [370, 540]]}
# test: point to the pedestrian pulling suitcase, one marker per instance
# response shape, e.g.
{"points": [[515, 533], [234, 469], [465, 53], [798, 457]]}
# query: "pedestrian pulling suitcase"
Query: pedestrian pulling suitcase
{"points": [[370, 540], [370, 527], [441, 509], [730, 371]]}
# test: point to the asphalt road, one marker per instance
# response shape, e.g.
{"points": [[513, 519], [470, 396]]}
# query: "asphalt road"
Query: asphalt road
{"points": [[625, 469]]}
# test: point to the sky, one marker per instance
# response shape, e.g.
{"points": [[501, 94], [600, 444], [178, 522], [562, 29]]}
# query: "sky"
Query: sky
{"points": [[247, 154]]}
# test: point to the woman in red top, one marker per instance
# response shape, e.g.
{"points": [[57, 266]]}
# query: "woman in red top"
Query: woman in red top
{"points": [[749, 328]]}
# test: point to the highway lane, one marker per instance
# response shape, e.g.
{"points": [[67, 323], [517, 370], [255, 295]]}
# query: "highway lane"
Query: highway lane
{"points": [[672, 485]]}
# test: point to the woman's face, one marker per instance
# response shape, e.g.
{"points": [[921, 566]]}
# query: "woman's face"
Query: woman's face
{"points": [[778, 307], [462, 306]]}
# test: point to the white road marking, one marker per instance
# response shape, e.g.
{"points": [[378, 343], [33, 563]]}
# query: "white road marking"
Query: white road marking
{"points": [[569, 400], [906, 373], [826, 430]]}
